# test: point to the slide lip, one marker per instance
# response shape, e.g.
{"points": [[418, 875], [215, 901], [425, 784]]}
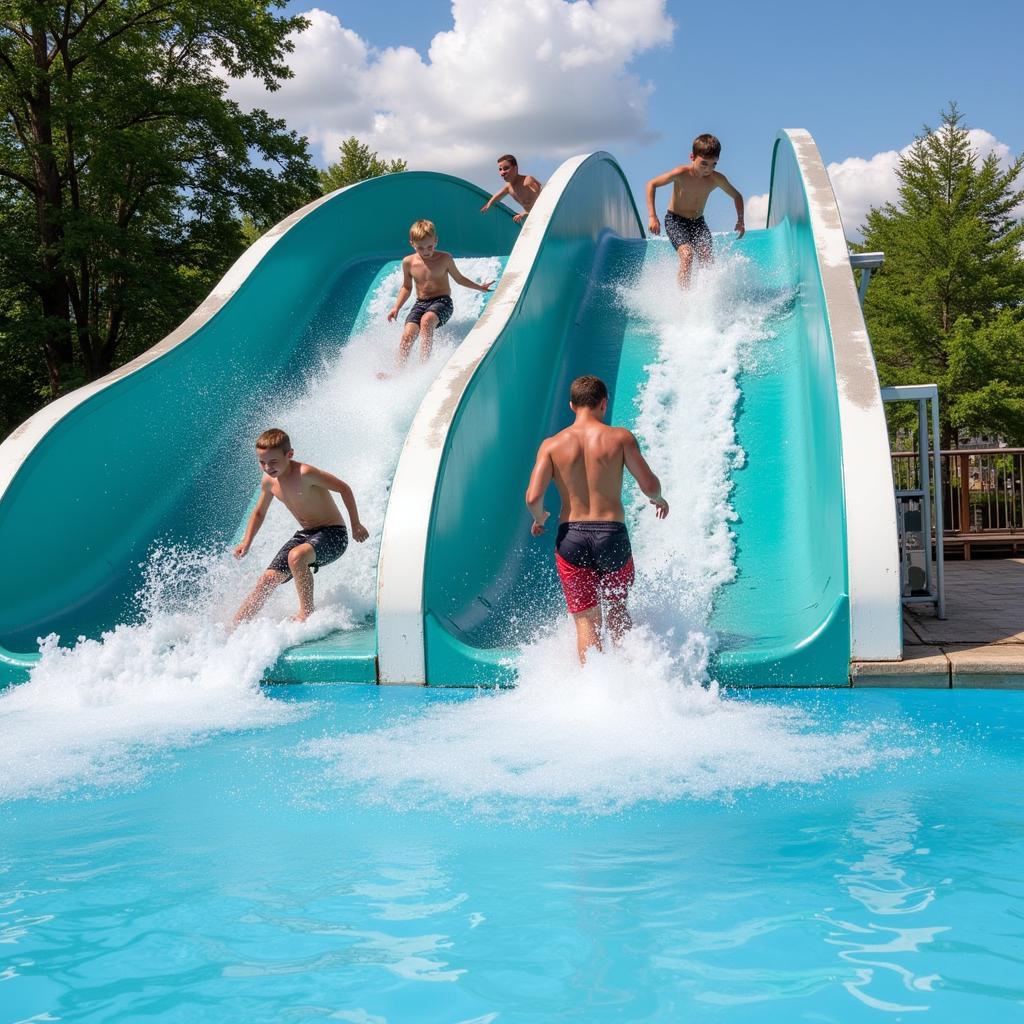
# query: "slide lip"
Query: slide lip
{"points": [[401, 574], [871, 547]]}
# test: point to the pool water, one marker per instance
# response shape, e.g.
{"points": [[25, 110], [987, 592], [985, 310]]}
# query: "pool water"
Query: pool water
{"points": [[247, 878]]}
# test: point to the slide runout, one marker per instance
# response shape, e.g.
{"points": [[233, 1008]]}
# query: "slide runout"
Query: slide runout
{"points": [[160, 450], [787, 617]]}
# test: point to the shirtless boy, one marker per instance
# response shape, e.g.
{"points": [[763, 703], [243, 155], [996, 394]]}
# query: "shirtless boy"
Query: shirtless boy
{"points": [[592, 551], [523, 188], [305, 490], [430, 269], [691, 185]]}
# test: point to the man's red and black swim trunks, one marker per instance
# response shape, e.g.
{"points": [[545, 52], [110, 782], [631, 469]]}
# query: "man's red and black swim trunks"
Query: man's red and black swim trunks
{"points": [[594, 561]]}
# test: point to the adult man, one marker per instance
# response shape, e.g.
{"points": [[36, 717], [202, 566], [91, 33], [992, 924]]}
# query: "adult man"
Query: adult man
{"points": [[592, 550]]}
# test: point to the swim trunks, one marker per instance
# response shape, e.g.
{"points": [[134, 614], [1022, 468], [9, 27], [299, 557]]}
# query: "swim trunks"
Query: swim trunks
{"points": [[690, 231], [440, 305], [594, 560], [329, 544]]}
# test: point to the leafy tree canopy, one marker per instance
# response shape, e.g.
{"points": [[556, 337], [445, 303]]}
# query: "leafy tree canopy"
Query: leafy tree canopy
{"points": [[947, 306], [125, 170], [357, 163]]}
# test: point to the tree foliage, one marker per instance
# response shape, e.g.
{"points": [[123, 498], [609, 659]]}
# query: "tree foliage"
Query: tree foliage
{"points": [[125, 170], [357, 163], [947, 306]]}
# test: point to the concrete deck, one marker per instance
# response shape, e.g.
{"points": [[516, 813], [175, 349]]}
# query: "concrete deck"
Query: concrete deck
{"points": [[980, 643]]}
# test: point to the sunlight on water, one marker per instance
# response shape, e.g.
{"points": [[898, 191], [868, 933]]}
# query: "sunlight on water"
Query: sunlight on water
{"points": [[643, 722], [99, 713]]}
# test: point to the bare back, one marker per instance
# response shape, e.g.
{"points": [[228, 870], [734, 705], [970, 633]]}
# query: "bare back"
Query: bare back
{"points": [[587, 462]]}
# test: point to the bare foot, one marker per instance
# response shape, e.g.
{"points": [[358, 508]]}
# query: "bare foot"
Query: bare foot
{"points": [[299, 617], [381, 375]]}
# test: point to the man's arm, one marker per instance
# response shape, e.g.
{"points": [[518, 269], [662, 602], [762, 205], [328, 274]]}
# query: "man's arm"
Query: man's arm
{"points": [[259, 513], [461, 278], [332, 483], [404, 292], [652, 186], [645, 477], [541, 476], [726, 186], [497, 195]]}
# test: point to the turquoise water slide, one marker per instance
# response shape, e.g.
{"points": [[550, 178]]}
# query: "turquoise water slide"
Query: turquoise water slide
{"points": [[461, 583], [160, 450]]}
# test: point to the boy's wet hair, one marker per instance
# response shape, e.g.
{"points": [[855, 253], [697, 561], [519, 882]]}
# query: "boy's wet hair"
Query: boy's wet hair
{"points": [[508, 158], [707, 146], [422, 229], [588, 392], [273, 438]]}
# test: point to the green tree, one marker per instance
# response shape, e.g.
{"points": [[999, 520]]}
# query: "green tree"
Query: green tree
{"points": [[948, 304], [125, 169], [357, 163]]}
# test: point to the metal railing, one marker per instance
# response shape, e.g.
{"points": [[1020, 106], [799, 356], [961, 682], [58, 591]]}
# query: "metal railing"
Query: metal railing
{"points": [[991, 502]]}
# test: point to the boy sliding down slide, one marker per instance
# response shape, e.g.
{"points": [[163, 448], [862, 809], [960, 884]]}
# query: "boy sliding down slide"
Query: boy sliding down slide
{"points": [[305, 490], [692, 183], [592, 550], [430, 269]]}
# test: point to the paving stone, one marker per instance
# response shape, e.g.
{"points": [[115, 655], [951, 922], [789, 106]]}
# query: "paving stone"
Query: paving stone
{"points": [[922, 667]]}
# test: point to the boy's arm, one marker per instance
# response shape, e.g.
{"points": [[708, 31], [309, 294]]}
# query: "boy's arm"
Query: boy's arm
{"points": [[259, 513], [404, 292], [539, 479], [461, 278], [490, 202], [652, 186], [643, 474], [726, 186], [336, 484]]}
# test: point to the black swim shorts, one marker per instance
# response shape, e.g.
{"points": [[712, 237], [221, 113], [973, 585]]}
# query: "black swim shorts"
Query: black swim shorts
{"points": [[692, 231], [329, 543], [440, 305]]}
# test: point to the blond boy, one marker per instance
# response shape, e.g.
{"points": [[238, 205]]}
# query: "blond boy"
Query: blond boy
{"points": [[305, 490], [430, 269], [523, 188], [692, 183]]}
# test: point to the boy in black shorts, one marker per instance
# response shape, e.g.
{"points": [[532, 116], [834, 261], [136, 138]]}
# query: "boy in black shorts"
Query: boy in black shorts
{"points": [[692, 183], [429, 269], [306, 491]]}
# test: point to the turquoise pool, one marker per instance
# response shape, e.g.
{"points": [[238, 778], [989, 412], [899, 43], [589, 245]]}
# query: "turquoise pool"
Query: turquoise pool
{"points": [[248, 878]]}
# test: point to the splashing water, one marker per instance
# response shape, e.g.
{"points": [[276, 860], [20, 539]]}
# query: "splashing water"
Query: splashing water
{"points": [[102, 712], [642, 722]]}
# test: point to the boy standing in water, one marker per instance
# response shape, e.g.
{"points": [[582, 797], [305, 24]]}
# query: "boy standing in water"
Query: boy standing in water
{"points": [[523, 188], [691, 185], [305, 490], [592, 550], [430, 269]]}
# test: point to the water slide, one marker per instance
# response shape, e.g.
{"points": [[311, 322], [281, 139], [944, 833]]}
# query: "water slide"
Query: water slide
{"points": [[158, 455], [802, 575], [812, 581]]}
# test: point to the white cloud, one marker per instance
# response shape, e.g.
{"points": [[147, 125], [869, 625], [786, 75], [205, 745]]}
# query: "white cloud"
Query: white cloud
{"points": [[860, 183], [543, 78]]}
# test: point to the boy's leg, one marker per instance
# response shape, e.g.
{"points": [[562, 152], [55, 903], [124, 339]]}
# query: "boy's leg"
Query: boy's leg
{"points": [[409, 333], [427, 325], [588, 631], [266, 585], [620, 622], [300, 558], [685, 263]]}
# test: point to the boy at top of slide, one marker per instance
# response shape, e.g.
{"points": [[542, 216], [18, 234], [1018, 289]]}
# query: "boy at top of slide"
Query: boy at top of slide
{"points": [[523, 188], [692, 183], [430, 269], [592, 551]]}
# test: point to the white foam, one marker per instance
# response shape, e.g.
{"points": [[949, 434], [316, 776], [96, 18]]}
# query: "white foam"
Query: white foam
{"points": [[644, 722], [101, 712]]}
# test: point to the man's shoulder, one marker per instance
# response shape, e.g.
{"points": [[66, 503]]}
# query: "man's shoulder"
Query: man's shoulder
{"points": [[529, 179]]}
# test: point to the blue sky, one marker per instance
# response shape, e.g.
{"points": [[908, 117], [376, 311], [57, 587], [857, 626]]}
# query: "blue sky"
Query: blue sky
{"points": [[863, 78]]}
